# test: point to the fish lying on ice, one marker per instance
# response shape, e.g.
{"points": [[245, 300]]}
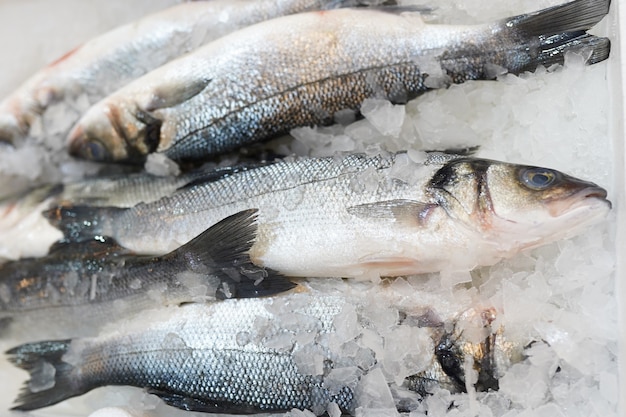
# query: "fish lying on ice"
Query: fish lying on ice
{"points": [[98, 280], [360, 216], [301, 350], [119, 190], [106, 63], [300, 70], [22, 229]]}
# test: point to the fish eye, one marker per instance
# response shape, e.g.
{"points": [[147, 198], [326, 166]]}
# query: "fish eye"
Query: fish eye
{"points": [[95, 151], [537, 178]]}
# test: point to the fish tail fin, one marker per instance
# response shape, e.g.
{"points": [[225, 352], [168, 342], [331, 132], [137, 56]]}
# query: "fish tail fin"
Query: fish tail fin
{"points": [[552, 32], [575, 16], [80, 223], [223, 251], [595, 49], [51, 380]]}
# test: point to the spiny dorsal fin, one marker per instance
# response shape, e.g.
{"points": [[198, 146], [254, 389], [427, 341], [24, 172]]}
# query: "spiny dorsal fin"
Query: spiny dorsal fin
{"points": [[445, 156]]}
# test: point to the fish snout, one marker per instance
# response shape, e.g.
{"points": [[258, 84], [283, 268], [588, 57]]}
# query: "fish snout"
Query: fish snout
{"points": [[581, 190], [586, 195], [593, 191]]}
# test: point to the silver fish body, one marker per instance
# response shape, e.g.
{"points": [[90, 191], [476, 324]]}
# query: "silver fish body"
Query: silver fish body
{"points": [[106, 63], [300, 70], [303, 350], [359, 216], [120, 190], [24, 232], [98, 280]]}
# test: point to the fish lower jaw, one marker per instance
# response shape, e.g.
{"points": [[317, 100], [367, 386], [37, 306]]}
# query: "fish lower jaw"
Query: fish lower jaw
{"points": [[515, 237]]}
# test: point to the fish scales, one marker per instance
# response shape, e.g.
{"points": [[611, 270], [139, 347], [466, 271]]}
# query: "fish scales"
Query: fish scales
{"points": [[111, 60], [100, 280], [296, 200], [122, 190], [198, 355], [359, 216], [300, 70], [224, 357], [20, 213]]}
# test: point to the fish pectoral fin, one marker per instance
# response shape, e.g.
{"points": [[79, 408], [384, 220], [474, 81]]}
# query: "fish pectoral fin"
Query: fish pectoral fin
{"points": [[175, 92], [205, 406], [403, 211], [223, 251]]}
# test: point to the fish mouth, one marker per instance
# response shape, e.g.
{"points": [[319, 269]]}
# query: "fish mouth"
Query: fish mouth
{"points": [[570, 216], [587, 197], [595, 192]]}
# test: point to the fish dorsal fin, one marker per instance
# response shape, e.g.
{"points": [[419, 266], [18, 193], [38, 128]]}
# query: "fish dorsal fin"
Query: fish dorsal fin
{"points": [[448, 155], [175, 92], [223, 251], [402, 211]]}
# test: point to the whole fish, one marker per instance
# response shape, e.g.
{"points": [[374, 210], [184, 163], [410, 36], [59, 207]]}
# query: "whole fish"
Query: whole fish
{"points": [[109, 61], [300, 70], [360, 216], [22, 228], [302, 350], [99, 280]]}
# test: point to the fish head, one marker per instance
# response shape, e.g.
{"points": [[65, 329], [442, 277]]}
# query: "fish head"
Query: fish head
{"points": [[517, 206], [472, 349], [114, 133]]}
